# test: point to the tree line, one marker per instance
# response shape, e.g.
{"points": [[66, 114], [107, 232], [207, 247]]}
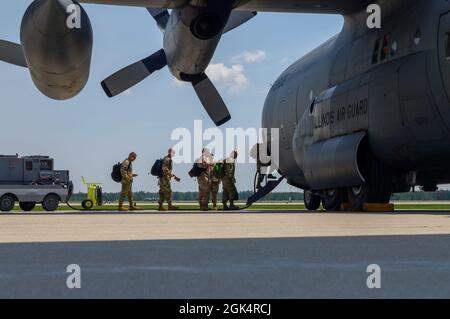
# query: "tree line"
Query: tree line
{"points": [[273, 197]]}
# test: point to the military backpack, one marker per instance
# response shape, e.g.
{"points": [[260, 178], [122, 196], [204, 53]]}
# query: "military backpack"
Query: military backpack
{"points": [[157, 168], [196, 171], [116, 175]]}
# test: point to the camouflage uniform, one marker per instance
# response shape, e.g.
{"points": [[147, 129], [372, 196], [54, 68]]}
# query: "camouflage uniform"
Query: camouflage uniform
{"points": [[126, 170], [165, 190], [204, 181], [215, 183], [229, 181]]}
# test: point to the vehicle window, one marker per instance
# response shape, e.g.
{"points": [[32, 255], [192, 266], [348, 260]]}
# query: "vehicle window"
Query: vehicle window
{"points": [[29, 165], [46, 165], [376, 51]]}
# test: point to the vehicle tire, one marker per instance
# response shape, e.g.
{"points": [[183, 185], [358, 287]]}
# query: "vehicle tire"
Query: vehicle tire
{"points": [[27, 206], [7, 203], [312, 201], [377, 188], [87, 204], [333, 199], [50, 203]]}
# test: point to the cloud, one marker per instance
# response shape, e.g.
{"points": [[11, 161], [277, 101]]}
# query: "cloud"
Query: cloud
{"points": [[232, 78], [179, 83], [285, 61], [249, 57]]}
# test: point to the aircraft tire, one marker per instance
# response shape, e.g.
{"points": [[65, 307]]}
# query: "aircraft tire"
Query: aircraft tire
{"points": [[311, 200], [377, 189], [333, 199]]}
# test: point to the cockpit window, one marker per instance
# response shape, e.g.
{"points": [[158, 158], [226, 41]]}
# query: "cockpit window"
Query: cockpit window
{"points": [[386, 50], [311, 108], [376, 51], [447, 45]]}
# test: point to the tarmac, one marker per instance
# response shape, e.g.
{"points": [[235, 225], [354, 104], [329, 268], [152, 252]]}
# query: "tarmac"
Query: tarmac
{"points": [[254, 254]]}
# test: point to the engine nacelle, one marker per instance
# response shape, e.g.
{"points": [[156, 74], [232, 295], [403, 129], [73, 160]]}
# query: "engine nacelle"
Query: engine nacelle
{"points": [[58, 53], [192, 36]]}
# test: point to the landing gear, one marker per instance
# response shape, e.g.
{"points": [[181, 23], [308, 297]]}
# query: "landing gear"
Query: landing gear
{"points": [[377, 188], [333, 199], [312, 200]]}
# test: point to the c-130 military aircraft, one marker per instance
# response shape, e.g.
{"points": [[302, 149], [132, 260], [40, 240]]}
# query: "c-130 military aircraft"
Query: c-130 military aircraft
{"points": [[363, 116]]}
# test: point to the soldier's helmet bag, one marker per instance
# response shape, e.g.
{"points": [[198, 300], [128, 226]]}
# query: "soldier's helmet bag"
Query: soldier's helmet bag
{"points": [[157, 168], [219, 170], [196, 170], [116, 175]]}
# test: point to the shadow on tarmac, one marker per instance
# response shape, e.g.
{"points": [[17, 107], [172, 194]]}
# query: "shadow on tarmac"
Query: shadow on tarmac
{"points": [[212, 212], [325, 267]]}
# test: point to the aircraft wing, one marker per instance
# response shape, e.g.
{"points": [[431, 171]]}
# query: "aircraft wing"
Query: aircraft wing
{"points": [[167, 4], [307, 6]]}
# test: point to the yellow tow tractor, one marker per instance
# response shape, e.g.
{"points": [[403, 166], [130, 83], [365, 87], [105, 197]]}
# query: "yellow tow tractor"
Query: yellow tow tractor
{"points": [[94, 195]]}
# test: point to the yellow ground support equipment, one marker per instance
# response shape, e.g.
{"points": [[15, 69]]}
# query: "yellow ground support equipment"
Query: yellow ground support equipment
{"points": [[380, 208], [94, 194], [372, 208]]}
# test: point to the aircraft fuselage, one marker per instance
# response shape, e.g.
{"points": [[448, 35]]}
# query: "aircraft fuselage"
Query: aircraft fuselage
{"points": [[384, 91]]}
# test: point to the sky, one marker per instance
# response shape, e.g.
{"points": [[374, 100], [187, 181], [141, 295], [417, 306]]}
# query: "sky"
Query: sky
{"points": [[90, 133]]}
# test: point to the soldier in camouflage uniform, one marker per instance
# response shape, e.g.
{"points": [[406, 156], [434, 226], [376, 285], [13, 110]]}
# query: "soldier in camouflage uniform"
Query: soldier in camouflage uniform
{"points": [[229, 181], [215, 184], [205, 162], [165, 189], [126, 169]]}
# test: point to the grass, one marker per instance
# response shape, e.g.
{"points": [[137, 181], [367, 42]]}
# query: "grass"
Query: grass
{"points": [[259, 206]]}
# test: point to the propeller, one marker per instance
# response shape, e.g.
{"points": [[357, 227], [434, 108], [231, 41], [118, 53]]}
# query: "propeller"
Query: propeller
{"points": [[161, 16], [133, 74], [12, 53], [211, 100], [204, 88]]}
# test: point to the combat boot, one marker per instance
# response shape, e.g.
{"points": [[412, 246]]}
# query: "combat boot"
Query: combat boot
{"points": [[161, 208], [121, 209], [225, 207], [233, 207], [171, 207], [133, 207]]}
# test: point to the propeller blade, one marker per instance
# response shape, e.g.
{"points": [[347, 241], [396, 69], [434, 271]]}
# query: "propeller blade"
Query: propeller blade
{"points": [[211, 100], [133, 74], [12, 53], [161, 16], [238, 18]]}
